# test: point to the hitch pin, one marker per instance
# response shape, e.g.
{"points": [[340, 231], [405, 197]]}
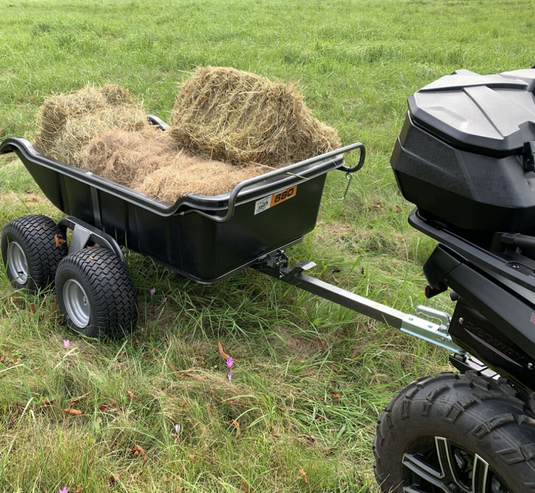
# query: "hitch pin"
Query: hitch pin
{"points": [[349, 177]]}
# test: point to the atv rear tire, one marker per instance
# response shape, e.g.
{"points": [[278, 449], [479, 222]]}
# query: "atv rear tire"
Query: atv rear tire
{"points": [[456, 434]]}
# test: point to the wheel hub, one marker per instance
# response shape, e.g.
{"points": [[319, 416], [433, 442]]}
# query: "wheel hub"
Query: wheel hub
{"points": [[17, 262], [76, 303], [438, 465]]}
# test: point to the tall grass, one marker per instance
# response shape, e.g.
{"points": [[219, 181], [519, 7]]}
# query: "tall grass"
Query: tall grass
{"points": [[310, 377]]}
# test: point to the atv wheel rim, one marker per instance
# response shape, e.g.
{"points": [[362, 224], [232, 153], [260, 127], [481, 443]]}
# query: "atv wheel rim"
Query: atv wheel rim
{"points": [[438, 465], [76, 303], [16, 260]]}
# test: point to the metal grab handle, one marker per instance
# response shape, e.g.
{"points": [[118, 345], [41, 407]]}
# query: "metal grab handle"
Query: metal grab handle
{"points": [[360, 164], [288, 169], [157, 122]]}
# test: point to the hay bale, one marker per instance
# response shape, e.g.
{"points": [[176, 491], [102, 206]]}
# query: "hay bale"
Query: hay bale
{"points": [[67, 122], [151, 162], [221, 114], [243, 118]]}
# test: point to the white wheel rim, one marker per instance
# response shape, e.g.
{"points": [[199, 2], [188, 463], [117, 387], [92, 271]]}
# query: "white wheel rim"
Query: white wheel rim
{"points": [[17, 262], [76, 303]]}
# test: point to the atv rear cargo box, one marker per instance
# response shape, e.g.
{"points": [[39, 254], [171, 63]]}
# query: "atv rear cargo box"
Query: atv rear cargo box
{"points": [[466, 151]]}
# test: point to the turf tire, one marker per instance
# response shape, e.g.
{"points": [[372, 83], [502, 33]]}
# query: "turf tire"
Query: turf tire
{"points": [[469, 413], [37, 241], [95, 293]]}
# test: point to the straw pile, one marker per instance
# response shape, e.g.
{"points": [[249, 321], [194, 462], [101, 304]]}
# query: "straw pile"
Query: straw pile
{"points": [[243, 118], [151, 162], [191, 174], [124, 156], [67, 122], [227, 126]]}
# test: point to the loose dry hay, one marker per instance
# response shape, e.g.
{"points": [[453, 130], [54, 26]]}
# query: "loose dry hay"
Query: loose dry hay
{"points": [[243, 118], [124, 156], [191, 174], [67, 122], [151, 162], [221, 114]]}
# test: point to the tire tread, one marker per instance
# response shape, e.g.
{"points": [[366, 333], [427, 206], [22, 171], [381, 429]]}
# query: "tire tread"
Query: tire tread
{"points": [[112, 290], [462, 403], [37, 236]]}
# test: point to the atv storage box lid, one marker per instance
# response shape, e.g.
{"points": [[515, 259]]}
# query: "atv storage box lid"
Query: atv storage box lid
{"points": [[466, 151]]}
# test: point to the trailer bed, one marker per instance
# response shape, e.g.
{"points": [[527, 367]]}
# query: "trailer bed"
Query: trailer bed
{"points": [[203, 238]]}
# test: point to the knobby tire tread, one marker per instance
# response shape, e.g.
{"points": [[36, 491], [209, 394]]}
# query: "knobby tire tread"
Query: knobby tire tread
{"points": [[487, 411]]}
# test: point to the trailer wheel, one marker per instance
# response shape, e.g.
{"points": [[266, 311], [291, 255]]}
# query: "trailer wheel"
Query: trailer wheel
{"points": [[32, 248], [458, 434], [95, 293]]}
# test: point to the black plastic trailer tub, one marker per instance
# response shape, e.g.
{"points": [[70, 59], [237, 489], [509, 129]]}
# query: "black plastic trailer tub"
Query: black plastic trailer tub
{"points": [[203, 238]]}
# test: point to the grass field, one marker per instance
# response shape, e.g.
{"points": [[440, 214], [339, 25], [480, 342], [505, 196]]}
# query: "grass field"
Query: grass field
{"points": [[158, 411]]}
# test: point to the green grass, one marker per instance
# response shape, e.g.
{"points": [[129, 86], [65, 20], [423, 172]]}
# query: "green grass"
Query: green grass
{"points": [[310, 377]]}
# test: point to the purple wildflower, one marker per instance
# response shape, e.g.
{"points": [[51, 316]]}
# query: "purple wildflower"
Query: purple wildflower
{"points": [[230, 362], [229, 376], [164, 299], [176, 435], [66, 343], [152, 291], [64, 490]]}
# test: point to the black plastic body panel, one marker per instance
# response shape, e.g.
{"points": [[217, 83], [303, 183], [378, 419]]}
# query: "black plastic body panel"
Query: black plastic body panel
{"points": [[495, 317], [509, 264], [478, 336], [465, 189], [465, 153], [507, 309], [486, 114], [175, 235]]}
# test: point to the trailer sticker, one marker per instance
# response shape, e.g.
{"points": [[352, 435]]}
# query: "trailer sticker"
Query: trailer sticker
{"points": [[274, 199]]}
